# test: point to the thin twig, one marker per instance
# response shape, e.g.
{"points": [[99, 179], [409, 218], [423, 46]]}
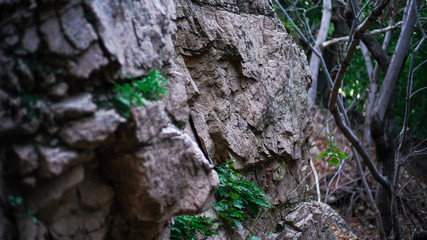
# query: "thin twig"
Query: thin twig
{"points": [[345, 38], [316, 178]]}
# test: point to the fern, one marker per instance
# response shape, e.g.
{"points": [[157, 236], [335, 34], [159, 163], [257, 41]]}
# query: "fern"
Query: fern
{"points": [[237, 196], [138, 92], [187, 227]]}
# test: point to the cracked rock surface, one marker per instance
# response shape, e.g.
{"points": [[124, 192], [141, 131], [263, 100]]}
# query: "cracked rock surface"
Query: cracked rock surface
{"points": [[237, 89]]}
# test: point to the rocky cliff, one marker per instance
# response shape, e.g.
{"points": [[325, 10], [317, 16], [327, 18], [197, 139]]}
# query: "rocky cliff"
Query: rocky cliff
{"points": [[73, 167]]}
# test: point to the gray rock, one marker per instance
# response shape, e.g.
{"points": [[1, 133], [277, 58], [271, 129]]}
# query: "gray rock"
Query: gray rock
{"points": [[25, 158], [161, 180], [30, 41], [149, 121], [58, 91], [54, 161], [89, 61], [237, 87], [76, 28], [311, 220], [56, 42], [92, 132], [136, 35], [74, 107], [252, 103]]}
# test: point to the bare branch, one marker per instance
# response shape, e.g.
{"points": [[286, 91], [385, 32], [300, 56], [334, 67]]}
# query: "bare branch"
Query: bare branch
{"points": [[321, 37], [343, 127], [386, 29], [413, 13], [377, 31], [423, 88], [361, 10], [369, 194], [316, 178], [376, 12]]}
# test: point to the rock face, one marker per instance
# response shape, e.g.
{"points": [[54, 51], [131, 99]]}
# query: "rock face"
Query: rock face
{"points": [[237, 89]]}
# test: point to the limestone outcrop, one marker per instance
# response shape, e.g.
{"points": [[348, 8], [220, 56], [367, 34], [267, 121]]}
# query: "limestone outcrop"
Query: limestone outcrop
{"points": [[74, 167]]}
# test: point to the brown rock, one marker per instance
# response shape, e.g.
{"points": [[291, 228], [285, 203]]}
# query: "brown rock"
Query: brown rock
{"points": [[92, 132], [51, 192], [94, 194]]}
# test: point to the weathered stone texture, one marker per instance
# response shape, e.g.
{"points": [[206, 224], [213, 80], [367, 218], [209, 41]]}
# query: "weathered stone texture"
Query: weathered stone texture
{"points": [[74, 107], [247, 90], [251, 84], [237, 89], [137, 34], [91, 133], [167, 177], [312, 220]]}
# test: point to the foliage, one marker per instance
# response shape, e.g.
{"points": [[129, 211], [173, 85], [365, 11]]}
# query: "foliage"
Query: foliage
{"points": [[186, 227], [288, 25], [138, 92], [237, 196], [15, 202], [333, 153], [281, 171]]}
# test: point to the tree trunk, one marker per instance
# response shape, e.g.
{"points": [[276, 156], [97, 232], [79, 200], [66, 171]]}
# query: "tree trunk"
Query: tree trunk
{"points": [[385, 148], [383, 115]]}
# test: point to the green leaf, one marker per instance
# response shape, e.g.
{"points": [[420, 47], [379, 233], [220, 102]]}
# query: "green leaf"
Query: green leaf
{"points": [[342, 155], [324, 155], [334, 161], [219, 208], [234, 196], [238, 223]]}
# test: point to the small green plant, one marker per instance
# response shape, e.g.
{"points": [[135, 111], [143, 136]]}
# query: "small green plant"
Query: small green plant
{"points": [[237, 197], [15, 202], [186, 227], [333, 153], [288, 25], [138, 92], [280, 171]]}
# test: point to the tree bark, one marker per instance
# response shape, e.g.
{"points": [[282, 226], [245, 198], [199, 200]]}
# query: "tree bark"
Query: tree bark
{"points": [[374, 79]]}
